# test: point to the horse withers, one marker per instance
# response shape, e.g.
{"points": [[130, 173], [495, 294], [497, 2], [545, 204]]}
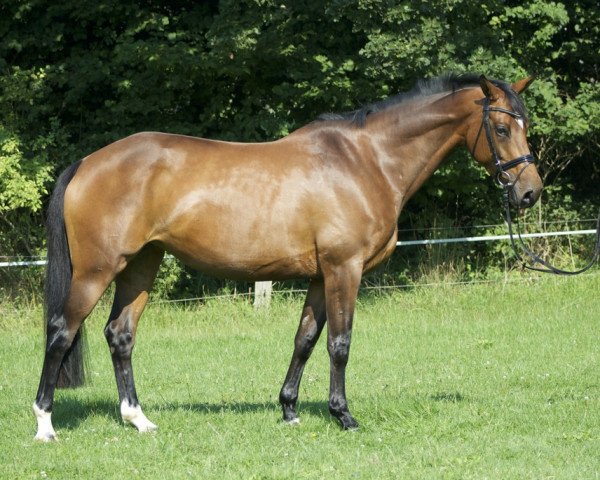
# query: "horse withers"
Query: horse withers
{"points": [[326, 201]]}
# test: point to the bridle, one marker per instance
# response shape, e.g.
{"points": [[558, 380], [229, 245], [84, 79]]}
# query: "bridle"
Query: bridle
{"points": [[502, 175], [504, 179]]}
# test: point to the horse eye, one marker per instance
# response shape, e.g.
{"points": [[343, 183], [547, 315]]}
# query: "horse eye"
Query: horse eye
{"points": [[502, 131]]}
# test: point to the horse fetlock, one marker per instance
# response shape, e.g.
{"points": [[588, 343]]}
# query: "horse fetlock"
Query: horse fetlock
{"points": [[338, 407], [45, 430], [339, 410], [289, 413], [288, 399]]}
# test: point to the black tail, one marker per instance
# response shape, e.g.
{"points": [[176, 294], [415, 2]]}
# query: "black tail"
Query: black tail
{"points": [[58, 279]]}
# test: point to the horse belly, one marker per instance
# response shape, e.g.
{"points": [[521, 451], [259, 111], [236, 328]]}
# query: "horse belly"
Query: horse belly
{"points": [[246, 269], [238, 244]]}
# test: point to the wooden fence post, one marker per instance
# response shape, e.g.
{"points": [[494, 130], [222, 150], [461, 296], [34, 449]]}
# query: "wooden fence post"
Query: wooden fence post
{"points": [[262, 294]]}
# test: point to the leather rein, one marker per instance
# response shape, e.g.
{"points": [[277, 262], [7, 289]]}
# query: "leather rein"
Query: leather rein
{"points": [[504, 179]]}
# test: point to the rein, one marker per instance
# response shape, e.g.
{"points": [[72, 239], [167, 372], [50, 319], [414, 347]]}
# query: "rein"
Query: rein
{"points": [[504, 180]]}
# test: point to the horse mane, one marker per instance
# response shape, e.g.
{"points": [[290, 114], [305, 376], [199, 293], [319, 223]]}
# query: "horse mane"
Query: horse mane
{"points": [[448, 82]]}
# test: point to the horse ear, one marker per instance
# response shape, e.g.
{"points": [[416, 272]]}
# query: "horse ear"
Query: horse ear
{"points": [[491, 91], [521, 85]]}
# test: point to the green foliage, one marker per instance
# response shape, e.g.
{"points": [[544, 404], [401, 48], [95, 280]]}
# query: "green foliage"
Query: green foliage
{"points": [[21, 184], [78, 75]]}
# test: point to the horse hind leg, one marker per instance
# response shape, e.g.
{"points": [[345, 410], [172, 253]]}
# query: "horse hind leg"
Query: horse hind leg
{"points": [[311, 324], [62, 328], [132, 289]]}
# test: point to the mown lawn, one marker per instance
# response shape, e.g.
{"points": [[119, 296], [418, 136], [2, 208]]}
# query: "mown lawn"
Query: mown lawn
{"points": [[480, 381]]}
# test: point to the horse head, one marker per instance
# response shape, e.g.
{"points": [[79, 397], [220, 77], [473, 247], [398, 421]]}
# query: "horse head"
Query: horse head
{"points": [[497, 139]]}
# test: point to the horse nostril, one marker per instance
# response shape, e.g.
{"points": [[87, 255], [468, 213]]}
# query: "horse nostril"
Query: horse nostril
{"points": [[528, 199]]}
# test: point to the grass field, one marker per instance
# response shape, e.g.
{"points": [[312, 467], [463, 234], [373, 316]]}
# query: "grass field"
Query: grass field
{"points": [[496, 381]]}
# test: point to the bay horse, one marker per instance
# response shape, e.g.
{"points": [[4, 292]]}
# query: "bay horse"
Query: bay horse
{"points": [[325, 205]]}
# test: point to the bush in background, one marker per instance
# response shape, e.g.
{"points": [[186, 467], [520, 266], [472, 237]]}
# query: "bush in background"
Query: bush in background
{"points": [[78, 75]]}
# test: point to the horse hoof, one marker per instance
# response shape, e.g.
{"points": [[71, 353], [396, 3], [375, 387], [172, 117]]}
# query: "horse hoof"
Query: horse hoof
{"points": [[147, 427], [293, 422], [46, 437], [349, 424]]}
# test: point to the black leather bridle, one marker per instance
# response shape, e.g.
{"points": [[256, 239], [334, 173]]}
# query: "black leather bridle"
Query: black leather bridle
{"points": [[504, 179], [502, 168]]}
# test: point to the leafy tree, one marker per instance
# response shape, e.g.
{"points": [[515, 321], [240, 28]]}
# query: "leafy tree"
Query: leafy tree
{"points": [[78, 75]]}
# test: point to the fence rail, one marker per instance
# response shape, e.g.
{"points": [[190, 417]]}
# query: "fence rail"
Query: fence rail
{"points": [[489, 238], [263, 290], [400, 243]]}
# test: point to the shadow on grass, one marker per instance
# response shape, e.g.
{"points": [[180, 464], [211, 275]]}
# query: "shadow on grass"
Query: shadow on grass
{"points": [[312, 408], [69, 413], [452, 397]]}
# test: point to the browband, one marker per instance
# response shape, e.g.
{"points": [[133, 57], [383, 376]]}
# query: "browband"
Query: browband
{"points": [[501, 167]]}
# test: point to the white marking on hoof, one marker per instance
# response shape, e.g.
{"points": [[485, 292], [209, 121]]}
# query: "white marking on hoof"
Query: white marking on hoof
{"points": [[136, 417], [293, 422], [45, 431]]}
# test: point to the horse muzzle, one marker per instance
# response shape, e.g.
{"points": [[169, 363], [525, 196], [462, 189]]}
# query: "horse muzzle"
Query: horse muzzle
{"points": [[524, 188], [524, 196]]}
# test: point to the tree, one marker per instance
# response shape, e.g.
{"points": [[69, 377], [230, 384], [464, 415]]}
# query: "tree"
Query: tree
{"points": [[78, 75]]}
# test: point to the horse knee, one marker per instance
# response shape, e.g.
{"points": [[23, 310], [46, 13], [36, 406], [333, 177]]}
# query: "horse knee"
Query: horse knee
{"points": [[339, 349]]}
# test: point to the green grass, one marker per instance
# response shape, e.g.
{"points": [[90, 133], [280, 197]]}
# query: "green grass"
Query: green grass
{"points": [[480, 381]]}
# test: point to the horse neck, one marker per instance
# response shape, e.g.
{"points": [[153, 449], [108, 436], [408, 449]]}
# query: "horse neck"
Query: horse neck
{"points": [[412, 139]]}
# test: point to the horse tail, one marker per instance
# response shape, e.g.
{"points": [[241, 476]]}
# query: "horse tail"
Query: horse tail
{"points": [[58, 280]]}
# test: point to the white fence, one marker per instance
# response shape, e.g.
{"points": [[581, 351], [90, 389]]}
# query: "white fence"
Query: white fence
{"points": [[263, 289], [489, 238], [400, 243]]}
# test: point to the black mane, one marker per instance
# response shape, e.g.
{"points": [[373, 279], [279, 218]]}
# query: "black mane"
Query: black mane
{"points": [[449, 82]]}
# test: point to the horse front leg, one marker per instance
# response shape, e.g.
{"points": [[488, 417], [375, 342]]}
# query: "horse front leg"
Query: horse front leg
{"points": [[311, 324], [341, 289]]}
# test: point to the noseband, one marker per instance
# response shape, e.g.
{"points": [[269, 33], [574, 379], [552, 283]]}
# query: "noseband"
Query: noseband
{"points": [[504, 180]]}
